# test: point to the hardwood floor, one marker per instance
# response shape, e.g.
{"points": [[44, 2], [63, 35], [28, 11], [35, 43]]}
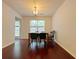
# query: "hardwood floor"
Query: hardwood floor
{"points": [[20, 50]]}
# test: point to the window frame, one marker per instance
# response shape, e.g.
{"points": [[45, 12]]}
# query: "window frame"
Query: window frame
{"points": [[37, 25]]}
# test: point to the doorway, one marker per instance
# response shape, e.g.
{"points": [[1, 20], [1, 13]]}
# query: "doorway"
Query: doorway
{"points": [[17, 28]]}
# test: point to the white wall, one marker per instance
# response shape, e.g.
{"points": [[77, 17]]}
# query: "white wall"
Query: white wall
{"points": [[8, 24], [25, 22], [64, 22]]}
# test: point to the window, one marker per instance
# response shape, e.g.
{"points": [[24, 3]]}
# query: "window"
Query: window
{"points": [[17, 28], [37, 26]]}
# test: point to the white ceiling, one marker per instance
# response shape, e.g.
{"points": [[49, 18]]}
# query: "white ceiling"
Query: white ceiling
{"points": [[25, 7]]}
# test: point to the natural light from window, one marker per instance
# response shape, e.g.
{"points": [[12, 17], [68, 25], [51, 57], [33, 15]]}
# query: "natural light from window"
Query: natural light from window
{"points": [[17, 28], [37, 26]]}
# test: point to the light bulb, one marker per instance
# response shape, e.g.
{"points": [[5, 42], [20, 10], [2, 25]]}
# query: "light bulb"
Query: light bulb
{"points": [[35, 11]]}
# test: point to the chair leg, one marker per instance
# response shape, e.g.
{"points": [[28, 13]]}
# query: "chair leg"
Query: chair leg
{"points": [[28, 42], [45, 44]]}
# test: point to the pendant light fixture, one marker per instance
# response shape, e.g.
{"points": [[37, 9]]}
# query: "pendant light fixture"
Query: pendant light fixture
{"points": [[35, 9]]}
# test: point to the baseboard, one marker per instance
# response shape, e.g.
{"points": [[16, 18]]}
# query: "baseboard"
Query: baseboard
{"points": [[7, 45], [24, 38], [64, 49]]}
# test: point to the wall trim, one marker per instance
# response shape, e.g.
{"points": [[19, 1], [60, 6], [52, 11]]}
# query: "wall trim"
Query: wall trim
{"points": [[64, 49], [24, 38], [7, 45]]}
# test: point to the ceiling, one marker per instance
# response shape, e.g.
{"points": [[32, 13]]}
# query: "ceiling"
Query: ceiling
{"points": [[25, 7]]}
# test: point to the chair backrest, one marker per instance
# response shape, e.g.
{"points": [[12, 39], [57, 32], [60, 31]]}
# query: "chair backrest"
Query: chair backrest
{"points": [[52, 33], [42, 35], [33, 35]]}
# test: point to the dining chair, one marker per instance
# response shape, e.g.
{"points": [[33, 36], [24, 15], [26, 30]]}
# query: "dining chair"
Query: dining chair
{"points": [[32, 38], [42, 38]]}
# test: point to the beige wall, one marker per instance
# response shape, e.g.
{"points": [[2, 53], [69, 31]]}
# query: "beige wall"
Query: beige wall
{"points": [[64, 22], [8, 22], [25, 28]]}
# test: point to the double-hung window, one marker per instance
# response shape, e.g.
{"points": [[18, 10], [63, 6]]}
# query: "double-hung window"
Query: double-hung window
{"points": [[37, 26]]}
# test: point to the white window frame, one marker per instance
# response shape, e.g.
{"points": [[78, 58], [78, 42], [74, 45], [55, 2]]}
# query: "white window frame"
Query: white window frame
{"points": [[37, 25]]}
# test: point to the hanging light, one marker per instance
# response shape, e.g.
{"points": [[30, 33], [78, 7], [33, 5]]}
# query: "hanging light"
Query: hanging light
{"points": [[35, 10]]}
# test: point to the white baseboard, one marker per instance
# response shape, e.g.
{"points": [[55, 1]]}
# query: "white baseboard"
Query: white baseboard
{"points": [[24, 38], [64, 48], [7, 44]]}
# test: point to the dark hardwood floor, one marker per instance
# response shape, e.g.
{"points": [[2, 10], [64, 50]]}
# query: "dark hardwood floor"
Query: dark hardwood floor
{"points": [[20, 50]]}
